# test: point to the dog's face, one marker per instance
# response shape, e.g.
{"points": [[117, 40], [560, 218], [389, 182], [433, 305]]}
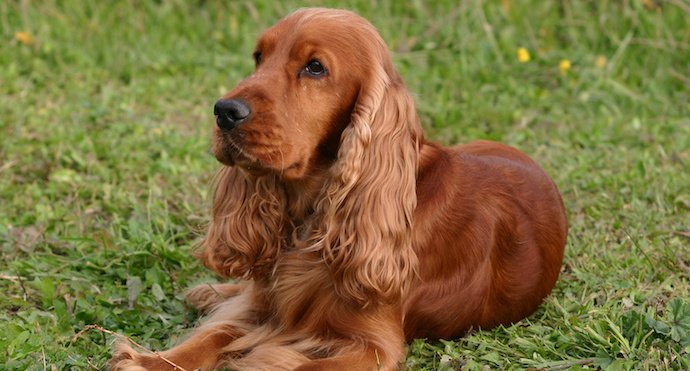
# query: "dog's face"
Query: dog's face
{"points": [[287, 117]]}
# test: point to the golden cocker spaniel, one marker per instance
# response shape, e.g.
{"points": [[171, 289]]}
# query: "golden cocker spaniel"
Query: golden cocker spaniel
{"points": [[348, 232]]}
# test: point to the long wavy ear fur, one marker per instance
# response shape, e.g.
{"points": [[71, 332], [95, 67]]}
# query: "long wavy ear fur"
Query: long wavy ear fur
{"points": [[363, 219], [248, 226]]}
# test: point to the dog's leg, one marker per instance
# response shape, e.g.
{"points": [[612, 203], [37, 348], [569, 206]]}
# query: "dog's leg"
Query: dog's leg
{"points": [[201, 351], [231, 319]]}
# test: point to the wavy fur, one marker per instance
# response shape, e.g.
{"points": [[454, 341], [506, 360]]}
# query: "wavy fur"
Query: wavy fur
{"points": [[363, 219], [248, 225]]}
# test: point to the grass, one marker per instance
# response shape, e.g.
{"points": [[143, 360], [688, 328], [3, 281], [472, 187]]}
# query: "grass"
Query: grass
{"points": [[105, 117]]}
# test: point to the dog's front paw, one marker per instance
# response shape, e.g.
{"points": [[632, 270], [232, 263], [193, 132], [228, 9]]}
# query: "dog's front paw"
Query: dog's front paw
{"points": [[125, 358]]}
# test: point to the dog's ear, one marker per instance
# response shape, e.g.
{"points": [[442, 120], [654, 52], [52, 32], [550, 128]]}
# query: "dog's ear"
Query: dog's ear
{"points": [[363, 219], [247, 229]]}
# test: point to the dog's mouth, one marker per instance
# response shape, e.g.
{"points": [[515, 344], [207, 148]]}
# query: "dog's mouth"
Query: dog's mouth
{"points": [[230, 150], [230, 153]]}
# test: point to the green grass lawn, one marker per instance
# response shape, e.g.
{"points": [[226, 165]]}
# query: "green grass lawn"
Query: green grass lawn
{"points": [[105, 118]]}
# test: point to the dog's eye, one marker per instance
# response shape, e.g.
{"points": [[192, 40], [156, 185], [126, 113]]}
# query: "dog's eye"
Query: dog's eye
{"points": [[315, 68], [257, 57]]}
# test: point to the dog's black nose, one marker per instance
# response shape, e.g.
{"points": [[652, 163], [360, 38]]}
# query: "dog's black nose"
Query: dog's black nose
{"points": [[230, 113]]}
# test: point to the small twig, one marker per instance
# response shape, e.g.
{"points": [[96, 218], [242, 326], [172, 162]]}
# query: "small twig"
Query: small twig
{"points": [[93, 367], [119, 336], [21, 285], [9, 278], [682, 233], [214, 290], [7, 165]]}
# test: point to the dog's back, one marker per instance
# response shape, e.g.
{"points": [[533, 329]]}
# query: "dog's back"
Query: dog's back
{"points": [[490, 230]]}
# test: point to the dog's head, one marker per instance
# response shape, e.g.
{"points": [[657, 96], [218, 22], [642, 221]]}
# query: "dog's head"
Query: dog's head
{"points": [[312, 69]]}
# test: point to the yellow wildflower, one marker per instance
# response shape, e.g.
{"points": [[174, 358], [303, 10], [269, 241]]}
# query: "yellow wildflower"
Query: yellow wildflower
{"points": [[601, 61], [522, 55], [564, 66], [24, 38]]}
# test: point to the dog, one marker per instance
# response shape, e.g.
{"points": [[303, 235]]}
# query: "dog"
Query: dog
{"points": [[348, 233]]}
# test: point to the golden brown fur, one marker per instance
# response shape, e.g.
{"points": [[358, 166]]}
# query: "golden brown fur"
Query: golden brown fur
{"points": [[349, 232]]}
